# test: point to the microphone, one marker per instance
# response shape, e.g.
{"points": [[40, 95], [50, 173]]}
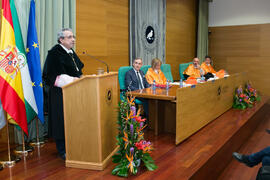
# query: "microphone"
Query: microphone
{"points": [[93, 57]]}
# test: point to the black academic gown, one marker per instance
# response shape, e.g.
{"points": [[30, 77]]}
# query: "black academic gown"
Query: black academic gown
{"points": [[58, 62]]}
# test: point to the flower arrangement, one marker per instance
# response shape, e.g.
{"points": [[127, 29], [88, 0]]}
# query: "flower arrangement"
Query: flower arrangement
{"points": [[252, 93], [245, 98], [133, 149]]}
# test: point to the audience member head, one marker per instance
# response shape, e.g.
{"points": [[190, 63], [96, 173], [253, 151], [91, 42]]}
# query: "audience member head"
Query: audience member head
{"points": [[207, 60], [196, 62], [137, 63], [66, 38], [156, 63]]}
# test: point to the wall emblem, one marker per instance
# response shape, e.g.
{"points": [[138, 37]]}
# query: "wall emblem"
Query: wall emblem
{"points": [[150, 36]]}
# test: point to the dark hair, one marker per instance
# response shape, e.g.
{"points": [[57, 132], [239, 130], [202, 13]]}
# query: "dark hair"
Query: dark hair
{"points": [[207, 57], [136, 59]]}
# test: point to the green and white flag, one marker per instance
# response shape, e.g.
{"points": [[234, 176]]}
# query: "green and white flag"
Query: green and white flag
{"points": [[30, 102]]}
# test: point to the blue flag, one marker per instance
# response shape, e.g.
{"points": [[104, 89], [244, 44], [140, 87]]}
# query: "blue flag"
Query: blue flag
{"points": [[33, 59]]}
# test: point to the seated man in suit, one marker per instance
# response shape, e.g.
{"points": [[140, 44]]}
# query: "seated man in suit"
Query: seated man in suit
{"points": [[135, 78], [154, 73], [194, 70]]}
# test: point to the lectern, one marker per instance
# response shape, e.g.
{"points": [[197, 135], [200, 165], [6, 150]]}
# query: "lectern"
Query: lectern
{"points": [[90, 116]]}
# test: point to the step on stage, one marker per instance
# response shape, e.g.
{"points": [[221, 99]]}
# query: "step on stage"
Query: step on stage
{"points": [[203, 155]]}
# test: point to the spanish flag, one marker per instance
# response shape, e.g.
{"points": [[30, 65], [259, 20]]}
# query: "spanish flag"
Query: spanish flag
{"points": [[11, 90]]}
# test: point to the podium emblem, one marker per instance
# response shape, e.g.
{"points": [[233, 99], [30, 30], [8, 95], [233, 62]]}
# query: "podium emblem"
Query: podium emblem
{"points": [[108, 95]]}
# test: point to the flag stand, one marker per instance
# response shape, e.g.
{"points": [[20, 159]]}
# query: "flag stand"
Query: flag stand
{"points": [[9, 160], [23, 149], [38, 142]]}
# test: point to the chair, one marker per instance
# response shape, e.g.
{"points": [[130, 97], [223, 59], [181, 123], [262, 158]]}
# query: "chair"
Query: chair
{"points": [[182, 68], [121, 78], [145, 68], [166, 69]]}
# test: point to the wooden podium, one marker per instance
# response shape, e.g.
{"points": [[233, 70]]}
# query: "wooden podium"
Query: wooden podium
{"points": [[90, 115]]}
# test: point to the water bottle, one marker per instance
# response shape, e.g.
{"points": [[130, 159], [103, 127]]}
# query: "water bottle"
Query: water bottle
{"points": [[181, 83], [154, 85], [202, 78], [167, 85]]}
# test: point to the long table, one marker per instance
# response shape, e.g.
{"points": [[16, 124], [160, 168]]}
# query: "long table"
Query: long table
{"points": [[184, 111]]}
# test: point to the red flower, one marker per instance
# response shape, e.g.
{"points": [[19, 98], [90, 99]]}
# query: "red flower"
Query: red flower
{"points": [[242, 95], [139, 119], [144, 145], [139, 145]]}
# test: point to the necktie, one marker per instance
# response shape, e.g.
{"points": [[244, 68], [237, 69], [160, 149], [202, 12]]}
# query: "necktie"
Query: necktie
{"points": [[139, 80]]}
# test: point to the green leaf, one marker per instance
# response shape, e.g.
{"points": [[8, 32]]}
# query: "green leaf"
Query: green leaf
{"points": [[123, 172], [150, 166], [116, 158], [135, 170]]}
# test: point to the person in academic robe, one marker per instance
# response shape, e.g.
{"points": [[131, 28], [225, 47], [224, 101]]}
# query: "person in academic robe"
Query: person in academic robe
{"points": [[61, 63], [154, 73], [209, 71], [135, 78], [194, 70]]}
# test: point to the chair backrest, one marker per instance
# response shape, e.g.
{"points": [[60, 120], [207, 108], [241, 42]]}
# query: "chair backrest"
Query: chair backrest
{"points": [[121, 76], [145, 68], [182, 68], [166, 69]]}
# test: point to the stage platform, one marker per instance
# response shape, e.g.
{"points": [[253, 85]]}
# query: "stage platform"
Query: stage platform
{"points": [[204, 155]]}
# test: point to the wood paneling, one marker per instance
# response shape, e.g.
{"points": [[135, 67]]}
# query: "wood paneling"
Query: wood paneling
{"points": [[102, 31], [243, 48], [209, 101], [180, 33]]}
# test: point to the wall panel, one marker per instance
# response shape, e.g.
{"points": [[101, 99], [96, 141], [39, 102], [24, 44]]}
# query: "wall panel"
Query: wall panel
{"points": [[243, 48], [180, 33], [102, 31]]}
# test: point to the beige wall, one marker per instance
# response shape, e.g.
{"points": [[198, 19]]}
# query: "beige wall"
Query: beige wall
{"points": [[181, 33], [243, 48]]}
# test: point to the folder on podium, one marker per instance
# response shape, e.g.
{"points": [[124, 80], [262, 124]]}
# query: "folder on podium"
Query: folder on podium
{"points": [[90, 115]]}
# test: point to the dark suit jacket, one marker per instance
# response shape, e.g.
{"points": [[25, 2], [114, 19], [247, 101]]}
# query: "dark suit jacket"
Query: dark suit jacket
{"points": [[132, 82]]}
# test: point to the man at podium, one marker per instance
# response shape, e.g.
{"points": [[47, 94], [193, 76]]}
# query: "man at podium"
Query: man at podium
{"points": [[62, 66]]}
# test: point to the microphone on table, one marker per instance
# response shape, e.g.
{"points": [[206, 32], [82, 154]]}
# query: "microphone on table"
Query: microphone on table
{"points": [[93, 57]]}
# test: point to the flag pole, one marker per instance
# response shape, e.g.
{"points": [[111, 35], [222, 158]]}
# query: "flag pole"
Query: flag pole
{"points": [[9, 160], [23, 149], [38, 142]]}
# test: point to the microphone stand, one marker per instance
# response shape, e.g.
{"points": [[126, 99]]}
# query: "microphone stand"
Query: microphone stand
{"points": [[93, 57]]}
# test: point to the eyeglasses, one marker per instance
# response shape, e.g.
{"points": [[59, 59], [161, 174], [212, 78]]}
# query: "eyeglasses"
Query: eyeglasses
{"points": [[70, 37]]}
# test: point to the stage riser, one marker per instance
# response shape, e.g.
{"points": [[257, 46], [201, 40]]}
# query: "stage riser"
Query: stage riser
{"points": [[218, 162]]}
